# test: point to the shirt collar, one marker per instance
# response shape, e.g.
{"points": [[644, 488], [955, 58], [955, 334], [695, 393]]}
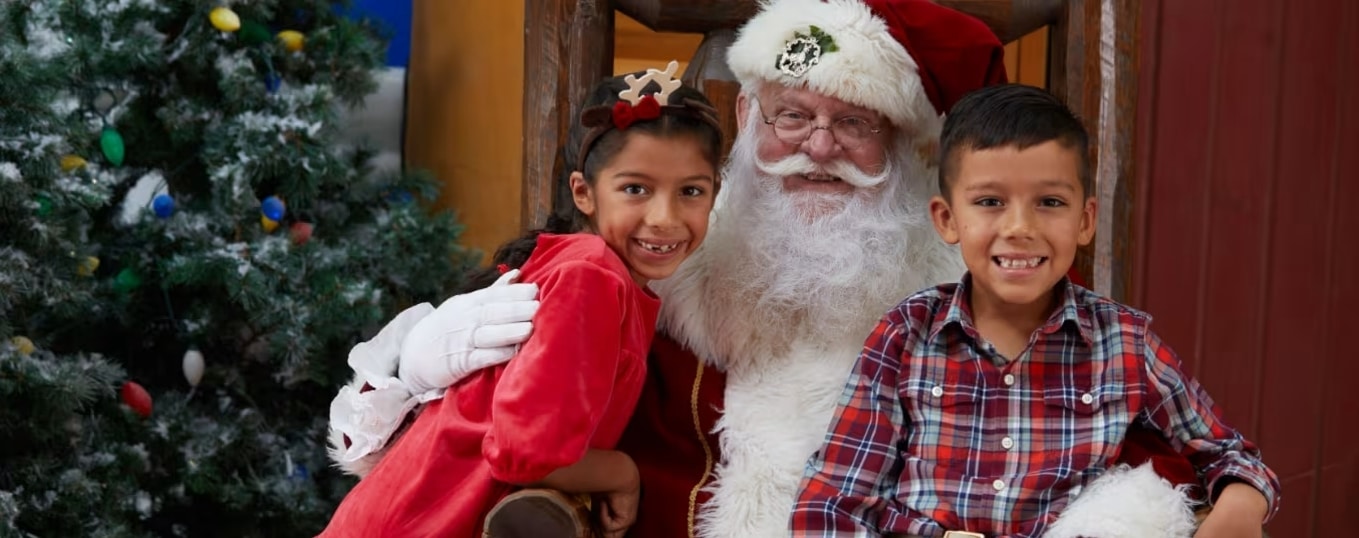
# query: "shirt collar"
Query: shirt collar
{"points": [[957, 312]]}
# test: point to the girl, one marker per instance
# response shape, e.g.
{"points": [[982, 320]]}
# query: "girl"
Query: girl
{"points": [[642, 189]]}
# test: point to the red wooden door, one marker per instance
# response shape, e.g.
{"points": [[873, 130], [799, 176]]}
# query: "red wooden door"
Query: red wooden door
{"points": [[1248, 157]]}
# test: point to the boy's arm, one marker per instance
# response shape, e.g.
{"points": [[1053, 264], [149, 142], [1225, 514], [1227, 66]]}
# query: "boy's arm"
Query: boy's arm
{"points": [[847, 490], [1184, 412]]}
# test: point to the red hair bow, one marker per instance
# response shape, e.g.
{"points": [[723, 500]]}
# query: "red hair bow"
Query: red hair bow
{"points": [[625, 113]]}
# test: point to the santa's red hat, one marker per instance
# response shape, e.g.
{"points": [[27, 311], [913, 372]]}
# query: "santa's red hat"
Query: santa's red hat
{"points": [[907, 59]]}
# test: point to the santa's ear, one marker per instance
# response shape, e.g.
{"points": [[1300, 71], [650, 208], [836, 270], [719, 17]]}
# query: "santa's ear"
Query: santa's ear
{"points": [[941, 214]]}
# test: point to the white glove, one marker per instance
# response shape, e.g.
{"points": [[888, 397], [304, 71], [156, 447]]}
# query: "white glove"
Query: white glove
{"points": [[366, 413], [467, 333]]}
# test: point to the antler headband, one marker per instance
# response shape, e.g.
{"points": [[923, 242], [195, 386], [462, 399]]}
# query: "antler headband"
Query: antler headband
{"points": [[633, 106]]}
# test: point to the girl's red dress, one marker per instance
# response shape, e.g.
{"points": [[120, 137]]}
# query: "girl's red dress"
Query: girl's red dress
{"points": [[570, 388]]}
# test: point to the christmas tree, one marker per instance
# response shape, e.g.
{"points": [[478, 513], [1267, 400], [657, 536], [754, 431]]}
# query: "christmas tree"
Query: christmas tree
{"points": [[187, 255]]}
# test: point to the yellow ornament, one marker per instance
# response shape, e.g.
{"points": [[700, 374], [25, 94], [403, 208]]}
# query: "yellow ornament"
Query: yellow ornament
{"points": [[269, 224], [23, 345], [225, 19], [71, 162], [292, 40], [88, 266]]}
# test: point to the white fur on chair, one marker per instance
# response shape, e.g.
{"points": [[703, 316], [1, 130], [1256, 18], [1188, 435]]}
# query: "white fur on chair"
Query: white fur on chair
{"points": [[1127, 503]]}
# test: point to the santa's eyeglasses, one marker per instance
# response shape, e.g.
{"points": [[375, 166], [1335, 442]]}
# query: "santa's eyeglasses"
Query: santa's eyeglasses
{"points": [[793, 127]]}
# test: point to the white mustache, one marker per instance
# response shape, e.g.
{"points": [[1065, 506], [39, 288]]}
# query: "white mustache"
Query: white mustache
{"points": [[801, 164]]}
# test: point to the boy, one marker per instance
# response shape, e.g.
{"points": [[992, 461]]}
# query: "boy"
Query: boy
{"points": [[983, 408]]}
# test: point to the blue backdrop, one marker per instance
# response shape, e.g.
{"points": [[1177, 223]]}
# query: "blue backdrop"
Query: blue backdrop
{"points": [[396, 16]]}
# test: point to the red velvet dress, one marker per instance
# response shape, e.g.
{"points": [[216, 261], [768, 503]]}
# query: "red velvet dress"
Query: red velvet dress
{"points": [[671, 440], [571, 388]]}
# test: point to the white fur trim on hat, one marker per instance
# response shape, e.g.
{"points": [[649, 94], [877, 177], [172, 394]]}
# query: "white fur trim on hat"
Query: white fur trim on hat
{"points": [[1127, 503], [869, 68]]}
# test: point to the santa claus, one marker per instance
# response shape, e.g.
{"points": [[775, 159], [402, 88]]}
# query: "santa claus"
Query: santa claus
{"points": [[820, 228]]}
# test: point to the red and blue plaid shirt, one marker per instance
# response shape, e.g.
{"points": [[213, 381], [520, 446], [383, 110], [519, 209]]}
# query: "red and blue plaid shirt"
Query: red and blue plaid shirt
{"points": [[936, 431]]}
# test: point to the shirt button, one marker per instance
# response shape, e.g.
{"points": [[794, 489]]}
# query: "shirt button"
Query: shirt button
{"points": [[1007, 443], [1009, 379], [937, 391], [1087, 399], [999, 485]]}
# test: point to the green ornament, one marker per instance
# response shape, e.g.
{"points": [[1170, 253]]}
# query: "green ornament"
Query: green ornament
{"points": [[126, 280], [112, 144], [44, 205], [253, 33]]}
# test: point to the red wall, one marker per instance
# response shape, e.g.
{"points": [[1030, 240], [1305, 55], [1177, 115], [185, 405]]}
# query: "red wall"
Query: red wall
{"points": [[1248, 247]]}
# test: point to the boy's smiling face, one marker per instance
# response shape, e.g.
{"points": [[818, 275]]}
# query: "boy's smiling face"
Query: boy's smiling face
{"points": [[1018, 216]]}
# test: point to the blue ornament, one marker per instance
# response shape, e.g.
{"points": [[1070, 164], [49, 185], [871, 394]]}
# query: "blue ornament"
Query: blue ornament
{"points": [[163, 205], [300, 472], [272, 82], [273, 208], [400, 196]]}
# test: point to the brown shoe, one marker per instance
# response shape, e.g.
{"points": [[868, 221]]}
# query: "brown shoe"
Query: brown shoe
{"points": [[538, 513]]}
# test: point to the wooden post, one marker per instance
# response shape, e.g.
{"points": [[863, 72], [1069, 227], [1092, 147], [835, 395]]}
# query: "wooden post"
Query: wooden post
{"points": [[568, 47], [1093, 68]]}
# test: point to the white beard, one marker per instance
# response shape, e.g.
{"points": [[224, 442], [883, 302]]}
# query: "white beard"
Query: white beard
{"points": [[782, 295]]}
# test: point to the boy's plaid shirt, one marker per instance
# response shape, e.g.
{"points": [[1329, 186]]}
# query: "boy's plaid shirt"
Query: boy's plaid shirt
{"points": [[935, 431]]}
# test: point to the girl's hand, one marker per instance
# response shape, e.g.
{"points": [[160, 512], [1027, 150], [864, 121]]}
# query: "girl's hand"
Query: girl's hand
{"points": [[618, 509]]}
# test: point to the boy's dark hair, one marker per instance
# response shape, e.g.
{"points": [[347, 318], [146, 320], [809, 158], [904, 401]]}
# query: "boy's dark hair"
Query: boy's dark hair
{"points": [[1010, 115], [566, 217]]}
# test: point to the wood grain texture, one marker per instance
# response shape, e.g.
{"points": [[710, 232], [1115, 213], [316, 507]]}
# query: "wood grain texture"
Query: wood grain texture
{"points": [[568, 47], [1120, 199]]}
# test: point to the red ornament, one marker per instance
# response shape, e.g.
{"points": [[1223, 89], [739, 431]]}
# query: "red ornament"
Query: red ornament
{"points": [[300, 232], [137, 398], [502, 268]]}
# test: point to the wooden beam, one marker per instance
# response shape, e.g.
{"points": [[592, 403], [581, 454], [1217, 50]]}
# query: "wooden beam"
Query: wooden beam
{"points": [[695, 16], [568, 47], [1009, 19]]}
